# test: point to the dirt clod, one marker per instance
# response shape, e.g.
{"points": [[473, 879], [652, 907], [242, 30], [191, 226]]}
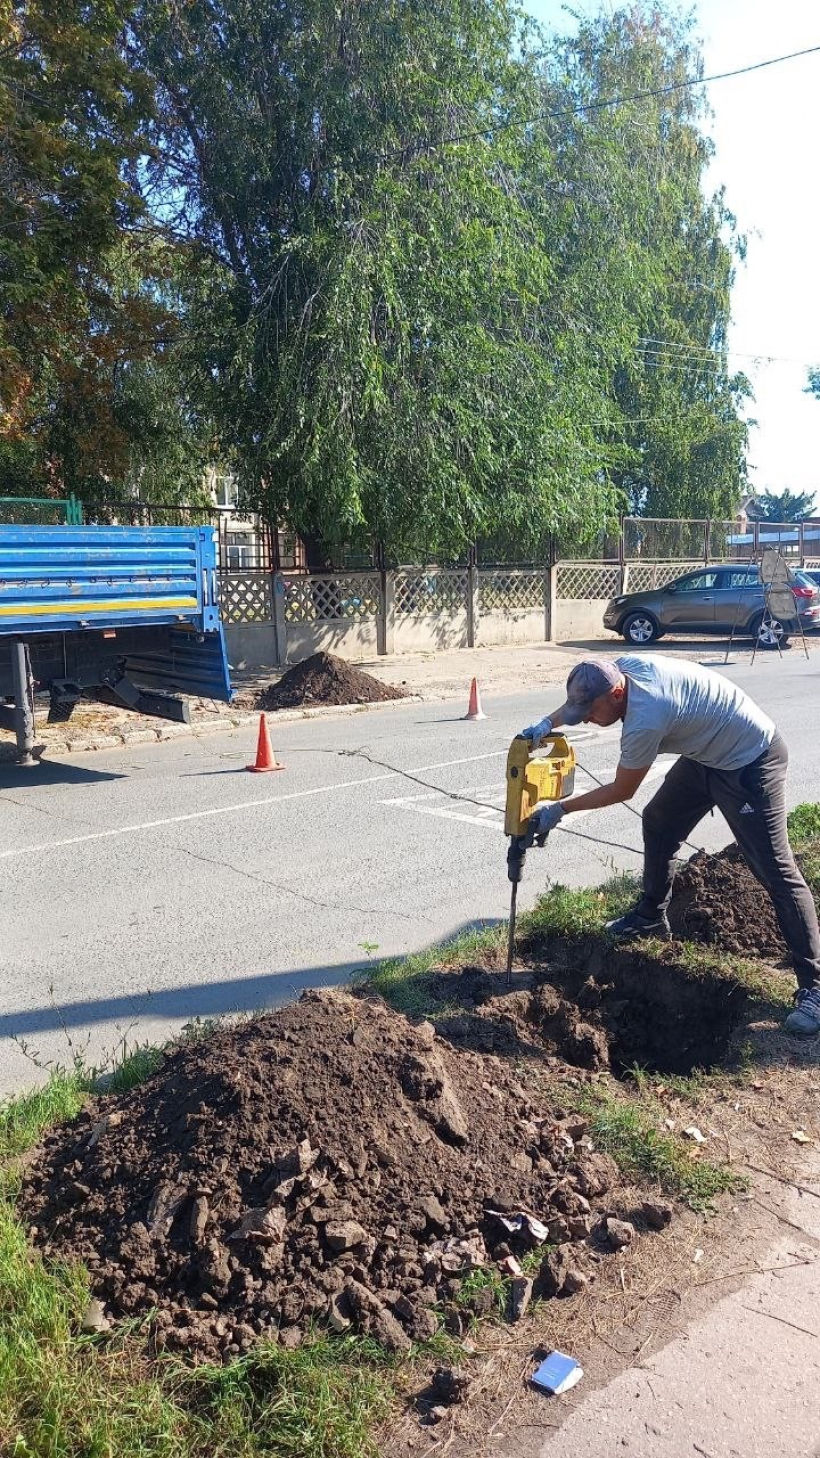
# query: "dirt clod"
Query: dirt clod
{"points": [[520, 1296], [325, 679], [619, 1233], [94, 1319], [656, 1213]]}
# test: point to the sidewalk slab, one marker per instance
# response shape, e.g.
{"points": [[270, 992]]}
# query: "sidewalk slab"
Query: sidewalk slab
{"points": [[742, 1381]]}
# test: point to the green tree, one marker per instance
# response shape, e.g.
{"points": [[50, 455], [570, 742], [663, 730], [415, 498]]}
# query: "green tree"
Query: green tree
{"points": [[87, 314], [385, 363], [653, 262], [785, 505]]}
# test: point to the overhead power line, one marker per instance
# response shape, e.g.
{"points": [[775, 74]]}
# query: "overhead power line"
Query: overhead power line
{"points": [[703, 352], [454, 138]]}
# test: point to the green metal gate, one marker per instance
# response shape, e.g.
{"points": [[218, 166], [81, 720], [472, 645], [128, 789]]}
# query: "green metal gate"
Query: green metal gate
{"points": [[41, 511]]}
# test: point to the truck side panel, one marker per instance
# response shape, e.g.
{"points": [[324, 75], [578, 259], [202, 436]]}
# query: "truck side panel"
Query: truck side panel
{"points": [[69, 579]]}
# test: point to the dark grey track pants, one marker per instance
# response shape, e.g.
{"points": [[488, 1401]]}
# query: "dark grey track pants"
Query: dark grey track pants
{"points": [[753, 802]]}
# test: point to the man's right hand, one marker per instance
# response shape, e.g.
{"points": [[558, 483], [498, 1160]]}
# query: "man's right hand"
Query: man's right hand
{"points": [[536, 732]]}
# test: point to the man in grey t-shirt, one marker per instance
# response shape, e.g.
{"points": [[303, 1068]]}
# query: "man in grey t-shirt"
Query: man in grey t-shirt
{"points": [[731, 756]]}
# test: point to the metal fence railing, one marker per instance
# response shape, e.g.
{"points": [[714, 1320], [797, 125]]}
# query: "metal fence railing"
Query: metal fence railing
{"points": [[41, 511], [647, 539], [660, 540]]}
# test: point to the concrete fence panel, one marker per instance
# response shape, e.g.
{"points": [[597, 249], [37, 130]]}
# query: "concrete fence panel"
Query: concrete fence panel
{"points": [[430, 610], [581, 591], [646, 576], [513, 606], [331, 612]]}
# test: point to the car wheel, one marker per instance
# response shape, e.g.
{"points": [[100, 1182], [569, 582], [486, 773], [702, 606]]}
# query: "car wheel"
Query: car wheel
{"points": [[640, 628], [770, 634]]}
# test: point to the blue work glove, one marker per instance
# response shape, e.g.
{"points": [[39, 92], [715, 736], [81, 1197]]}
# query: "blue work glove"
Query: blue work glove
{"points": [[544, 818], [536, 732]]}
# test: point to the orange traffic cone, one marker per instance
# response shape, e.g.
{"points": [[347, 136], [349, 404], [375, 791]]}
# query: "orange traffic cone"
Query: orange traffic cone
{"points": [[265, 757], [474, 709]]}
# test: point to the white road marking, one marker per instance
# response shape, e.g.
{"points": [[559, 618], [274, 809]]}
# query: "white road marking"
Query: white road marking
{"points": [[489, 817], [231, 809], [214, 810]]}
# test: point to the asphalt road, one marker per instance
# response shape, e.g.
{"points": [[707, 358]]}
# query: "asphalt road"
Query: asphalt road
{"points": [[143, 888]]}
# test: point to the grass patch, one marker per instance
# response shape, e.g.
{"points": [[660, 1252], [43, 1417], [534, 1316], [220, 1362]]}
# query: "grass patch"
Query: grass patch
{"points": [[407, 982], [804, 824], [562, 912], [764, 984], [23, 1119], [628, 1132], [66, 1396], [485, 1279], [135, 1067]]}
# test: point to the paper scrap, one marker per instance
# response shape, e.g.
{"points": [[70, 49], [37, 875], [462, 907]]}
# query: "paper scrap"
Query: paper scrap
{"points": [[557, 1373]]}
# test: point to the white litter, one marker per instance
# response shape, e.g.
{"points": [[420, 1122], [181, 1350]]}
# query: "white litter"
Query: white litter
{"points": [[522, 1222]]}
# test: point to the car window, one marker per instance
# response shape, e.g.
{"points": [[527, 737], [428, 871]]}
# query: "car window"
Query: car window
{"points": [[698, 582], [742, 578]]}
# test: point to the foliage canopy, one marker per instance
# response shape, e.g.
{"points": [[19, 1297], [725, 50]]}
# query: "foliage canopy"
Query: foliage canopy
{"points": [[400, 265]]}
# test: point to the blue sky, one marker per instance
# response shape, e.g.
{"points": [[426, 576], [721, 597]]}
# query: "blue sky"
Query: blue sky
{"points": [[765, 130]]}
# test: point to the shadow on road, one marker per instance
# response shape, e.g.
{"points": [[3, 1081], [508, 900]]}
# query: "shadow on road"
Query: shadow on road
{"points": [[710, 646], [51, 772], [257, 993]]}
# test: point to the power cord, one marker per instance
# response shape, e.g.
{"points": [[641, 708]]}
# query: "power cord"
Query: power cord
{"points": [[485, 804]]}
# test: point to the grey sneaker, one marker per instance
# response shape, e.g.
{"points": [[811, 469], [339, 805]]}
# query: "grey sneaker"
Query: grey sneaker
{"points": [[804, 1021], [634, 924]]}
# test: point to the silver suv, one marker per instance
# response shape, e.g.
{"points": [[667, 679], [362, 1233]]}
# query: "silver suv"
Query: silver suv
{"points": [[711, 600]]}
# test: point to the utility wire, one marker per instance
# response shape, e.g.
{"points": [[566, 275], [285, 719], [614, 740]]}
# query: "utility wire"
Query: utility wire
{"points": [[486, 805], [704, 352], [583, 108]]}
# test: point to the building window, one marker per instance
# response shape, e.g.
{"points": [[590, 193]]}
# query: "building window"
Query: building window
{"points": [[226, 491]]}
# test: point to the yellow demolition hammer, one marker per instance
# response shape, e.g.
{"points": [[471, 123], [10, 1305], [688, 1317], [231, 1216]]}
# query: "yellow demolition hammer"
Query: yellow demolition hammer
{"points": [[534, 773]]}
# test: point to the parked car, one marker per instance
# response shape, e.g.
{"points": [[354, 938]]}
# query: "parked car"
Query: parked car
{"points": [[712, 600]]}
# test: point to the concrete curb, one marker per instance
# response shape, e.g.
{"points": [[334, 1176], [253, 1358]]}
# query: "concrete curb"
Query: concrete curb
{"points": [[94, 742]]}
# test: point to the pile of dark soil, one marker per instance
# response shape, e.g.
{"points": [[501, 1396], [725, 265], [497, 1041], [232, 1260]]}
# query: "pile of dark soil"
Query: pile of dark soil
{"points": [[717, 901], [325, 679], [327, 1162]]}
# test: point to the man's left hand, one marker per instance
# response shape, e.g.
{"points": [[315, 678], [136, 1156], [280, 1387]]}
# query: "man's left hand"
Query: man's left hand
{"points": [[544, 818]]}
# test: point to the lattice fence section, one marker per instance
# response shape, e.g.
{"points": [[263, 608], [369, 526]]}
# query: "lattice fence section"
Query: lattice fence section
{"points": [[587, 579], [510, 592], [430, 594], [245, 599], [333, 598], [645, 576]]}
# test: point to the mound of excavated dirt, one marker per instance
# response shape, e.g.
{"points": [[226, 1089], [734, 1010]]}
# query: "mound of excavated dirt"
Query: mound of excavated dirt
{"points": [[325, 679], [327, 1162], [717, 900]]}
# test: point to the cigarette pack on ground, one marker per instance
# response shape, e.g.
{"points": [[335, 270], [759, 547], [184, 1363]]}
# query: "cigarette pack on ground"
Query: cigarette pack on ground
{"points": [[557, 1373]]}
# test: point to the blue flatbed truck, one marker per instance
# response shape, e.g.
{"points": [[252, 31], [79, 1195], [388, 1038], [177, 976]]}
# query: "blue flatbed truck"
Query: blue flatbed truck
{"points": [[129, 615]]}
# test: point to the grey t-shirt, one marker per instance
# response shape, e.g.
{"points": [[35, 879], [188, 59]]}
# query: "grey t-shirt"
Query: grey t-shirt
{"points": [[677, 707]]}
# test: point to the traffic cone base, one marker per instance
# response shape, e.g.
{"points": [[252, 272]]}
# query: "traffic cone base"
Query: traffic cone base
{"points": [[265, 757], [474, 709]]}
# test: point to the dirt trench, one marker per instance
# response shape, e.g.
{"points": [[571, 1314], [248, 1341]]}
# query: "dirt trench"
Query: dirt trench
{"points": [[598, 1008]]}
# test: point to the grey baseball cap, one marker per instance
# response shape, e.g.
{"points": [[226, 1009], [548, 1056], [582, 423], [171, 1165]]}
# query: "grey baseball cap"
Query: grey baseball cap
{"points": [[589, 679]]}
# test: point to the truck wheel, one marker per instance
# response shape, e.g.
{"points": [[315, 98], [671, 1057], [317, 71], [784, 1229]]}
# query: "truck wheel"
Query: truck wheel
{"points": [[640, 629]]}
